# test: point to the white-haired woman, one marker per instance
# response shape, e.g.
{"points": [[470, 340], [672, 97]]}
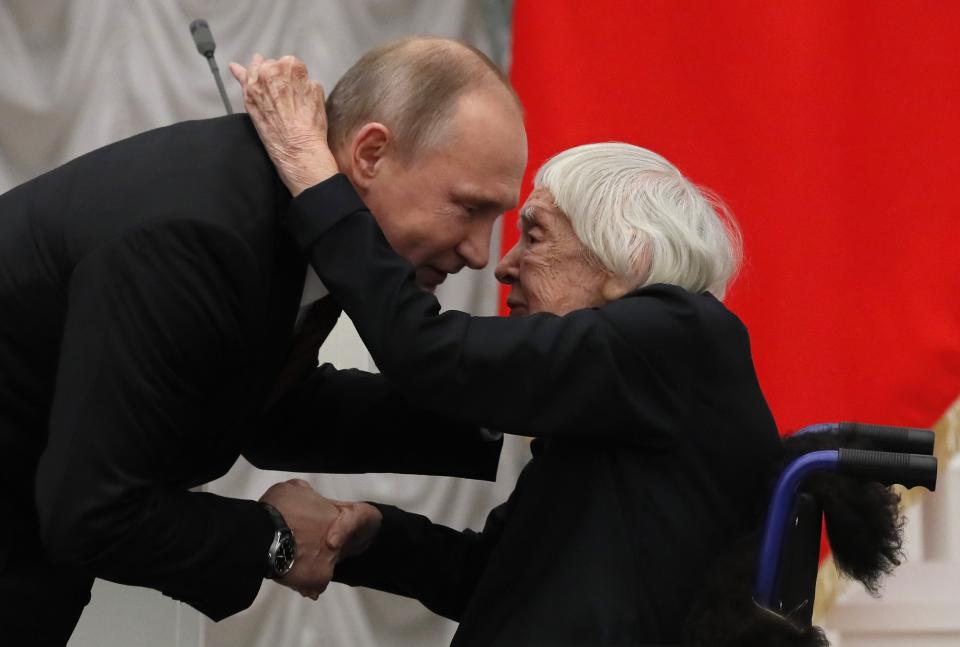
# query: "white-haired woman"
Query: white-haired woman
{"points": [[652, 438]]}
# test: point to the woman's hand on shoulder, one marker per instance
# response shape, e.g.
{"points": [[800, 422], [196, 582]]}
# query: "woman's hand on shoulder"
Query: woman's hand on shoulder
{"points": [[289, 113]]}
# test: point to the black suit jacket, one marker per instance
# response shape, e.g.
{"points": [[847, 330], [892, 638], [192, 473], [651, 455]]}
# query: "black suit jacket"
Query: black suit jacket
{"points": [[653, 443], [148, 298]]}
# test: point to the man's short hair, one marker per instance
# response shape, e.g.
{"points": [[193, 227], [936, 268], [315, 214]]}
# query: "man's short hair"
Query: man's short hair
{"points": [[642, 219], [411, 86]]}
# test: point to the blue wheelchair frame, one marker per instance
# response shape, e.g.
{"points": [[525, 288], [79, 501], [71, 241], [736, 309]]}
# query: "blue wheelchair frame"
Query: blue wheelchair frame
{"points": [[789, 551]]}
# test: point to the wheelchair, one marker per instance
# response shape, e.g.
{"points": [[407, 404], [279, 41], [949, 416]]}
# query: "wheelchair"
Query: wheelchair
{"points": [[786, 569], [760, 593]]}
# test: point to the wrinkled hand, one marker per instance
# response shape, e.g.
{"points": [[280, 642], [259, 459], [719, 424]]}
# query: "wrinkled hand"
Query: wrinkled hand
{"points": [[289, 113], [325, 531], [355, 529]]}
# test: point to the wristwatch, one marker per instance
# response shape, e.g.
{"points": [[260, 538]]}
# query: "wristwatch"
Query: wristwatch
{"points": [[283, 548]]}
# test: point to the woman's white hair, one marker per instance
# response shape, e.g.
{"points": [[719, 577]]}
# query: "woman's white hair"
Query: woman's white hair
{"points": [[642, 219]]}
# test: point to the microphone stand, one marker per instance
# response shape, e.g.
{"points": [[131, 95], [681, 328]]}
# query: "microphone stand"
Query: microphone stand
{"points": [[216, 75]]}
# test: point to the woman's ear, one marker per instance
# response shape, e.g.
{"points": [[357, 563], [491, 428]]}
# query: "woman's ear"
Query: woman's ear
{"points": [[367, 151], [614, 287]]}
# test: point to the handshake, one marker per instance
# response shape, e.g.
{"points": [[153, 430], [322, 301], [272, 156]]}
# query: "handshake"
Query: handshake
{"points": [[325, 530]]}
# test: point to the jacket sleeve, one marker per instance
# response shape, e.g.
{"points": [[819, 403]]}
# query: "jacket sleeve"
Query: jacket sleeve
{"points": [[156, 319], [351, 421], [538, 375], [415, 558]]}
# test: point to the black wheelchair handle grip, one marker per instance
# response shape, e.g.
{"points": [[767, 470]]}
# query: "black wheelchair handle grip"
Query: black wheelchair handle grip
{"points": [[889, 468], [906, 440]]}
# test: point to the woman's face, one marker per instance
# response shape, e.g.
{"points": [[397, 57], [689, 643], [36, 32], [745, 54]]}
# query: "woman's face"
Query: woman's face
{"points": [[549, 269]]}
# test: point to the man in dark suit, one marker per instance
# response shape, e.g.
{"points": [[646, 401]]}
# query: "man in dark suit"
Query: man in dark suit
{"points": [[157, 323]]}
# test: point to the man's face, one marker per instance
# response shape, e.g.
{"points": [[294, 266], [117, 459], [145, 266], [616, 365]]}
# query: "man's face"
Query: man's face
{"points": [[438, 209]]}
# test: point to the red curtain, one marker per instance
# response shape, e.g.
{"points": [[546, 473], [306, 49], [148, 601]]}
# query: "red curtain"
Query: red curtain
{"points": [[832, 131]]}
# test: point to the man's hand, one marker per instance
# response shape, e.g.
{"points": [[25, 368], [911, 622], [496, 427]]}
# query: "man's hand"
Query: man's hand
{"points": [[289, 113], [310, 517], [326, 531]]}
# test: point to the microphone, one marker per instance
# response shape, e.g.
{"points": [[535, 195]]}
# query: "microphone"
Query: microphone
{"points": [[200, 31]]}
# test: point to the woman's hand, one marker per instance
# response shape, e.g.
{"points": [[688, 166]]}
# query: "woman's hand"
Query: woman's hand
{"points": [[288, 111], [355, 528]]}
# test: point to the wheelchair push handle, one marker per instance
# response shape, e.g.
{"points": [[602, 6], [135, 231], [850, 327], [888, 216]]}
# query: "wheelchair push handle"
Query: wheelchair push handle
{"points": [[904, 440], [889, 468]]}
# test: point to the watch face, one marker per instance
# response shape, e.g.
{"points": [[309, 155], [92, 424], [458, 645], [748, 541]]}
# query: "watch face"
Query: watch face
{"points": [[286, 551]]}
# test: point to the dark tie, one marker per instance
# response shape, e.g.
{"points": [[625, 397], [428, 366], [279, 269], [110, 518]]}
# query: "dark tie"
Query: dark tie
{"points": [[305, 345]]}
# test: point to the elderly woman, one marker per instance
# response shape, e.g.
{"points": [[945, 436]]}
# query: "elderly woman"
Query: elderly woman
{"points": [[652, 438]]}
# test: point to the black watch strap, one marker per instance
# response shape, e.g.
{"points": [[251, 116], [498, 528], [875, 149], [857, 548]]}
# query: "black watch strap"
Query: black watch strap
{"points": [[279, 523], [283, 548]]}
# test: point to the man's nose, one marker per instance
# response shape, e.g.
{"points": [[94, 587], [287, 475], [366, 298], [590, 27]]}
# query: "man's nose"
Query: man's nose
{"points": [[475, 248], [508, 269]]}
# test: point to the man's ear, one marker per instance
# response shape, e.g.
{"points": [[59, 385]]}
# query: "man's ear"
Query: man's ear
{"points": [[369, 147]]}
